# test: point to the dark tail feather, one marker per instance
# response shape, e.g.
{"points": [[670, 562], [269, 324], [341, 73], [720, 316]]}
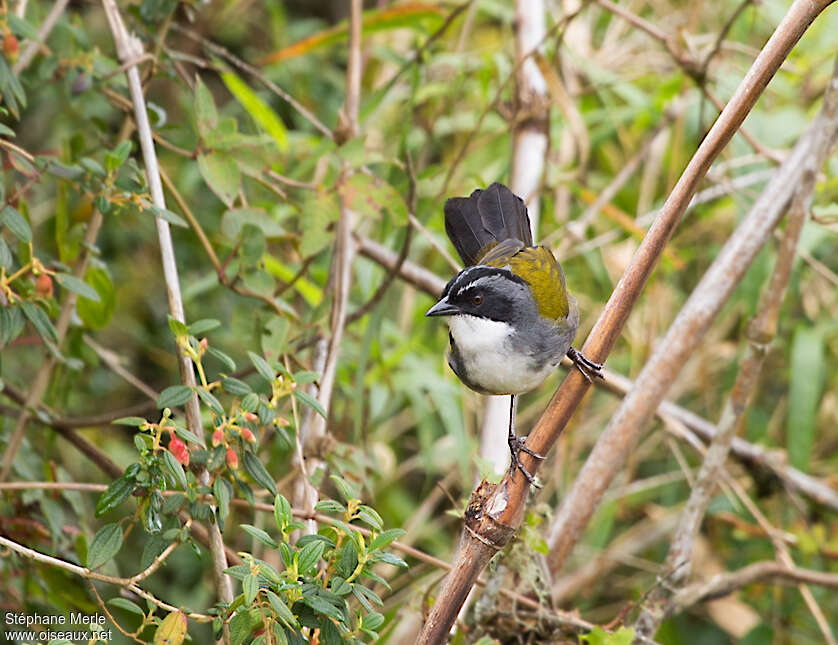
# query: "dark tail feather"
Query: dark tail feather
{"points": [[484, 217]]}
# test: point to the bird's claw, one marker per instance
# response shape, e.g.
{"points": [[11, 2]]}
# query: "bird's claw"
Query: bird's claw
{"points": [[585, 365], [518, 445]]}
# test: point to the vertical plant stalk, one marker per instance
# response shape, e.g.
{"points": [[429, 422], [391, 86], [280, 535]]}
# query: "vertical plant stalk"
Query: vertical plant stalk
{"points": [[760, 332], [313, 431], [689, 326], [529, 152], [130, 49], [495, 512], [42, 377]]}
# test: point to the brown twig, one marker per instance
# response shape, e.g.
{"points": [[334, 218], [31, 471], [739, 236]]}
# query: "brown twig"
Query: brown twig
{"points": [[496, 511], [723, 584], [86, 573]]}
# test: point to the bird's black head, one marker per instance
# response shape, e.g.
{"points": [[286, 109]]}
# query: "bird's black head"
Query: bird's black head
{"points": [[485, 292]]}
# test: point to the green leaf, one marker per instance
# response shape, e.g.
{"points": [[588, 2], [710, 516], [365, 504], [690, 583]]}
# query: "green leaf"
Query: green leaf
{"points": [[261, 535], [370, 516], [235, 386], [174, 396], [186, 435], [306, 376], [174, 468], [240, 627], [250, 587], [97, 314], [250, 402], [105, 545], [22, 28], [282, 512], [40, 321], [117, 157], [15, 222], [125, 605], [234, 220], [281, 610], [223, 492], [262, 367], [261, 112], [119, 490], [349, 491], [6, 259], [330, 506], [340, 586], [370, 195], [373, 621], [310, 401], [807, 368], [11, 324], [321, 210], [206, 114], [211, 402], [385, 538], [253, 466], [310, 555], [388, 558], [203, 326], [71, 283], [178, 328], [129, 421], [228, 362], [221, 174], [324, 607], [168, 216], [598, 636]]}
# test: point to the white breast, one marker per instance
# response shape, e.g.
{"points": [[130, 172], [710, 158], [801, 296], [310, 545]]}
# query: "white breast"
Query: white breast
{"points": [[489, 359]]}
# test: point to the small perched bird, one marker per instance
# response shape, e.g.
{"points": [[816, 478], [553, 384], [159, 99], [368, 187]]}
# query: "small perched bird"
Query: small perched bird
{"points": [[510, 316]]}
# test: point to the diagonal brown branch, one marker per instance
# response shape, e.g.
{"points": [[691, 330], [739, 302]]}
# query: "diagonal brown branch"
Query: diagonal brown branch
{"points": [[495, 512]]}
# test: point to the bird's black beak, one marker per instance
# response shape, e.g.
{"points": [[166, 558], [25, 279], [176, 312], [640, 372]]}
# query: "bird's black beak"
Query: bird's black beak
{"points": [[442, 308]]}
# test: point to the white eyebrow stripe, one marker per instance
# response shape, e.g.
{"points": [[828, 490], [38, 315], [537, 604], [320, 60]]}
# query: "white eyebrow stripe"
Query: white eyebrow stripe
{"points": [[478, 281]]}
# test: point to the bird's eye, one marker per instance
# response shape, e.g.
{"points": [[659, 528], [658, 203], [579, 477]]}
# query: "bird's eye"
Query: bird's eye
{"points": [[477, 300]]}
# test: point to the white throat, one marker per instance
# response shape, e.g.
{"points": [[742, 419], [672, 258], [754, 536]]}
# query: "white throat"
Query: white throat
{"points": [[489, 358]]}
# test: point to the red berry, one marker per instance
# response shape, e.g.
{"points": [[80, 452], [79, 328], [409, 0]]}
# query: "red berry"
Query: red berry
{"points": [[11, 47], [43, 286], [179, 451], [232, 459]]}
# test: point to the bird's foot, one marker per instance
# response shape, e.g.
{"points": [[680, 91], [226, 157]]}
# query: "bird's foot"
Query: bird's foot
{"points": [[517, 445], [585, 365]]}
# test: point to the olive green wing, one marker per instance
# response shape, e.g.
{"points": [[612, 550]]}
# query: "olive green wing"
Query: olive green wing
{"points": [[499, 254], [537, 266]]}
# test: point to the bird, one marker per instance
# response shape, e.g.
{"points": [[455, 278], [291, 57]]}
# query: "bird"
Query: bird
{"points": [[510, 316]]}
